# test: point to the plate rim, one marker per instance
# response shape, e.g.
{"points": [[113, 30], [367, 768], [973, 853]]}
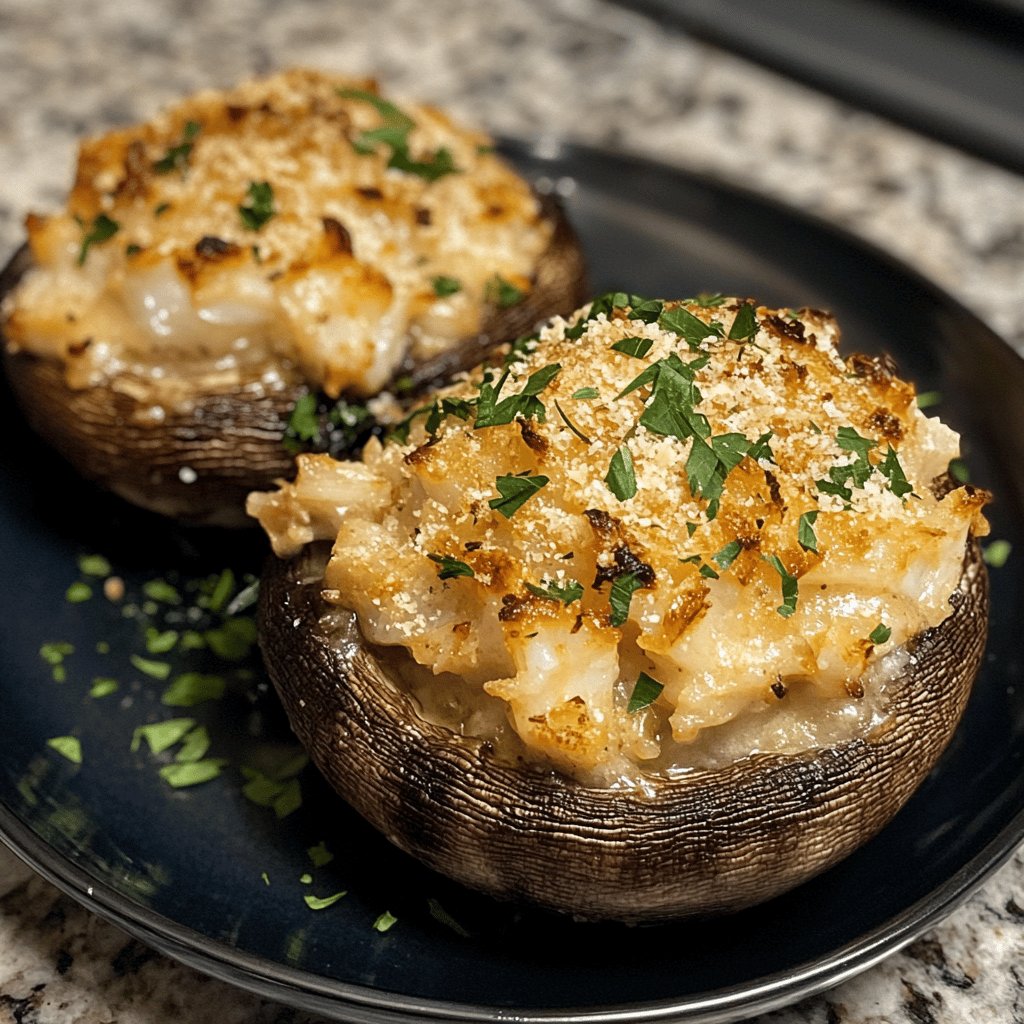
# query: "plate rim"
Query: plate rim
{"points": [[362, 1004]]}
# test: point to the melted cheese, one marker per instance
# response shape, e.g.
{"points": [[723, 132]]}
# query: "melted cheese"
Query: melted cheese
{"points": [[339, 281], [720, 636]]}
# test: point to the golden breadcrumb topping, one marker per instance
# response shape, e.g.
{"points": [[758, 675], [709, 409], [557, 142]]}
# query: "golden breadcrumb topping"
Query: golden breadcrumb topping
{"points": [[302, 215], [659, 519]]}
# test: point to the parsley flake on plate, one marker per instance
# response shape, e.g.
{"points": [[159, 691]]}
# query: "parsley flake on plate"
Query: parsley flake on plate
{"points": [[69, 747], [180, 775], [323, 902]]}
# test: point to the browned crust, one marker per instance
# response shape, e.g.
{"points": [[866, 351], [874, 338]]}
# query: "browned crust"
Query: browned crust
{"points": [[713, 842], [230, 438]]}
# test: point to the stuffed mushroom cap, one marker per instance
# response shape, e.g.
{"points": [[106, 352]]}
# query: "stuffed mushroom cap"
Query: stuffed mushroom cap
{"points": [[299, 233], [680, 569]]}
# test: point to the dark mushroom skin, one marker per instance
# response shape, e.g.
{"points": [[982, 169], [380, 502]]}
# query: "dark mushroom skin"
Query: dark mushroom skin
{"points": [[707, 843], [199, 462]]}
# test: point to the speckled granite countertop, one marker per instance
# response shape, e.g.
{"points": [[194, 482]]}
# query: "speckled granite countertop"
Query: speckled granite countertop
{"points": [[575, 68]]}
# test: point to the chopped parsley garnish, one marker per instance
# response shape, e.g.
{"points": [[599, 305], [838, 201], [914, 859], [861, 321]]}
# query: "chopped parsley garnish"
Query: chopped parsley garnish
{"points": [[645, 692], [322, 902], [78, 592], [93, 565], [927, 399], [692, 329], [437, 166], [638, 347], [645, 310], [102, 687], [385, 922], [158, 642], [54, 652], [569, 423], [724, 558], [621, 477], [491, 413], [551, 590], [805, 535], [744, 327], [160, 209], [258, 207], [67, 746], [620, 596], [446, 285], [586, 393], [150, 667], [708, 464], [132, 249], [319, 854], [842, 479], [502, 293], [283, 794], [176, 158], [319, 425], [891, 469], [515, 491], [996, 553], [194, 746], [191, 688], [789, 586], [958, 471], [671, 411], [450, 568], [162, 736], [708, 299], [102, 228], [233, 639], [192, 773], [394, 133], [849, 440], [880, 634], [702, 567], [161, 590], [303, 424]]}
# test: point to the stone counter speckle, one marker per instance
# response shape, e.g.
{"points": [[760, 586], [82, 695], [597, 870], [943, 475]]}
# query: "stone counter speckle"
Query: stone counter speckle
{"points": [[577, 69]]}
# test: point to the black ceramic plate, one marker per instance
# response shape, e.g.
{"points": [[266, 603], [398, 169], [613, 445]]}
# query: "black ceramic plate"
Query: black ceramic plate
{"points": [[181, 869]]}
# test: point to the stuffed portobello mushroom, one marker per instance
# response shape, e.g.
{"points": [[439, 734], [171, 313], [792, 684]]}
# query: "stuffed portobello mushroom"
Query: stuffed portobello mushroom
{"points": [[251, 249], [665, 615]]}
